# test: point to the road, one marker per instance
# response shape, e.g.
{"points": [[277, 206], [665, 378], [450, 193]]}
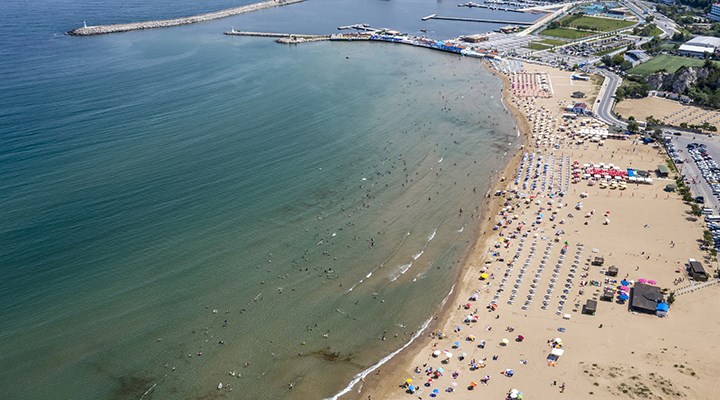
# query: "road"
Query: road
{"points": [[606, 99]]}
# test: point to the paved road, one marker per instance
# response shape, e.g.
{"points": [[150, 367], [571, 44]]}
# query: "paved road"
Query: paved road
{"points": [[606, 99]]}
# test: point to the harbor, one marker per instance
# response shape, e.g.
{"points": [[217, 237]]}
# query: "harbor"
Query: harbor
{"points": [[367, 33], [91, 30]]}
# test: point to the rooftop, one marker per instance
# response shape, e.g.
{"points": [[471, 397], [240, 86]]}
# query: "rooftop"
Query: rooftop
{"points": [[706, 41], [645, 297]]}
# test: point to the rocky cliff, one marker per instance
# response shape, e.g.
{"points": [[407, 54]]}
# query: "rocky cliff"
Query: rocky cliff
{"points": [[680, 81]]}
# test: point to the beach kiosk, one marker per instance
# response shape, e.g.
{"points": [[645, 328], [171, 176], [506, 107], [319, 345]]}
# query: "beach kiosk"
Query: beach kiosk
{"points": [[608, 294], [612, 271], [598, 261], [590, 307], [662, 171], [696, 270], [645, 298]]}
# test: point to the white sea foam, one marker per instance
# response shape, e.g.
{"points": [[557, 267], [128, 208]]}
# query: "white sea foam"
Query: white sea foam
{"points": [[360, 376], [432, 235], [418, 254]]}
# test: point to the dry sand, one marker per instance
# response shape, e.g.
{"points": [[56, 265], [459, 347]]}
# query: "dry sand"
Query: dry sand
{"points": [[635, 356], [670, 112]]}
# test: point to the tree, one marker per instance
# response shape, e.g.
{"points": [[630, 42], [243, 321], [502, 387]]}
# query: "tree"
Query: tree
{"points": [[633, 126], [650, 18]]}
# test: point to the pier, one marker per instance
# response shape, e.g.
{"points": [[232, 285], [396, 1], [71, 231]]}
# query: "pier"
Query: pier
{"points": [[492, 21], [284, 38], [165, 23]]}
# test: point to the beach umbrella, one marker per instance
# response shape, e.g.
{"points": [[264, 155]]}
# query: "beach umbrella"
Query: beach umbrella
{"points": [[624, 297], [453, 384], [441, 369], [411, 388], [456, 345], [505, 341], [484, 276], [448, 354], [408, 381], [463, 355], [624, 288], [473, 384], [642, 280], [436, 353], [624, 282], [652, 281]]}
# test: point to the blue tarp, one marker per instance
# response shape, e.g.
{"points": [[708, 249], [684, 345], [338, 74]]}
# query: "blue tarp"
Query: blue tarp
{"points": [[662, 307], [631, 172]]}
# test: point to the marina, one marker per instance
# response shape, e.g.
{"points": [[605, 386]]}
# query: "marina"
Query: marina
{"points": [[86, 30]]}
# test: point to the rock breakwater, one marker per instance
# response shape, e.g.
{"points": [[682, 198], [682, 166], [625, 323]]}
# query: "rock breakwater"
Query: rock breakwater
{"points": [[166, 23]]}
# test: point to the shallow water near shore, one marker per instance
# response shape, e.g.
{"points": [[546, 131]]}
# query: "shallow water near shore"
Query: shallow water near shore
{"points": [[177, 205]]}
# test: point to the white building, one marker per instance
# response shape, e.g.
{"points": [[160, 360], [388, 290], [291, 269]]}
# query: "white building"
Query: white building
{"points": [[699, 46]]}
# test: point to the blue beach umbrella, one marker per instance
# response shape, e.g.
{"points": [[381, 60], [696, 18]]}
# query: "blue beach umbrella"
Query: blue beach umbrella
{"points": [[624, 282], [456, 345], [624, 297]]}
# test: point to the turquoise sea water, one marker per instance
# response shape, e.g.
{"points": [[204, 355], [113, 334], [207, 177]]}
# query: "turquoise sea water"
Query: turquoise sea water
{"points": [[156, 184]]}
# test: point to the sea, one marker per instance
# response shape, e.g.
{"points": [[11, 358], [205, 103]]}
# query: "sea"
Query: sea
{"points": [[181, 209]]}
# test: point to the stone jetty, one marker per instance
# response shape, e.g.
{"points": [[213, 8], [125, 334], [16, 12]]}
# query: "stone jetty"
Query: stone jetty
{"points": [[284, 38], [165, 23]]}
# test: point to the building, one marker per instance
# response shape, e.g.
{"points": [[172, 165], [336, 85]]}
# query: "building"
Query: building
{"points": [[696, 270], [477, 38], [714, 13], [645, 298], [590, 307], [699, 46], [579, 108], [636, 57], [662, 171]]}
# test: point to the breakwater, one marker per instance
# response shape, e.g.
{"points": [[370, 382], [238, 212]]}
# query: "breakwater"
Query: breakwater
{"points": [[166, 23], [494, 21]]}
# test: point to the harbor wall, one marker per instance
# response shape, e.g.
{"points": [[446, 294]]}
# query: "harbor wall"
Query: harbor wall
{"points": [[165, 23]]}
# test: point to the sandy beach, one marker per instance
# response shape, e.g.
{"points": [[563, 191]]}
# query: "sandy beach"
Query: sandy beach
{"points": [[521, 295]]}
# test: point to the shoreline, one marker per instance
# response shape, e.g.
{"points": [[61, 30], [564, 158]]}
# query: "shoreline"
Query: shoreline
{"points": [[482, 238], [166, 23], [591, 328]]}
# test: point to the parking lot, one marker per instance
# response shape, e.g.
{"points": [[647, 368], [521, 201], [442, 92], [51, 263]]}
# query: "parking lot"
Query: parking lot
{"points": [[697, 159]]}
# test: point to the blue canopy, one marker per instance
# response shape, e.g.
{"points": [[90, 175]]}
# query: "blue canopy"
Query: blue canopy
{"points": [[624, 282], [662, 307], [623, 297]]}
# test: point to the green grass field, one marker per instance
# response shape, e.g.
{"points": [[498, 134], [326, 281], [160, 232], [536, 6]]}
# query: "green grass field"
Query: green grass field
{"points": [[537, 46], [553, 42], [656, 31], [565, 33], [666, 62], [596, 24]]}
